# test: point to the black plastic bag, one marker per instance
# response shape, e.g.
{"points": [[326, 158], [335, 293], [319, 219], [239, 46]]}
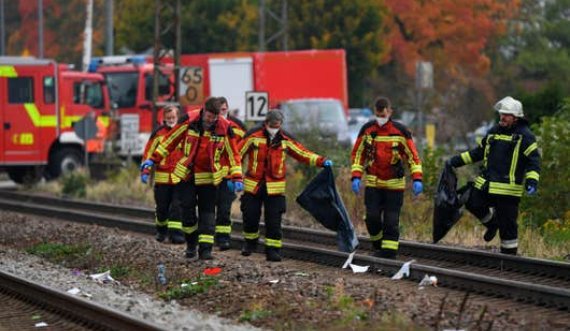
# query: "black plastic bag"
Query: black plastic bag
{"points": [[448, 203], [321, 199]]}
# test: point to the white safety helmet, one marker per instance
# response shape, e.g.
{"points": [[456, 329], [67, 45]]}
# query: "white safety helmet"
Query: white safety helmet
{"points": [[510, 105]]}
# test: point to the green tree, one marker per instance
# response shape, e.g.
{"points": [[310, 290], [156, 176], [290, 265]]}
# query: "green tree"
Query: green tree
{"points": [[134, 29], [533, 61], [356, 26], [553, 199]]}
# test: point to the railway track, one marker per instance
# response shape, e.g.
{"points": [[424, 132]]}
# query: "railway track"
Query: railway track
{"points": [[537, 281], [27, 305]]}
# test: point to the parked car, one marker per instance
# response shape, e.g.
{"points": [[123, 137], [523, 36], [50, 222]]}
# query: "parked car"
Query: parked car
{"points": [[327, 116], [357, 117]]}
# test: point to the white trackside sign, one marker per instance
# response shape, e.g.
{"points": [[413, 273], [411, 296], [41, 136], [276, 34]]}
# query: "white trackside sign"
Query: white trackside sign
{"points": [[256, 105]]}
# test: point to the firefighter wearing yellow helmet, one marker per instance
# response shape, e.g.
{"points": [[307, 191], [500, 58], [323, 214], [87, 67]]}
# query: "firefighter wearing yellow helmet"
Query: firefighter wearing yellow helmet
{"points": [[511, 166]]}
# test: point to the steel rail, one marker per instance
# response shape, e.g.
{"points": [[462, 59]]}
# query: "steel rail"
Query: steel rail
{"points": [[463, 256], [89, 313], [493, 286]]}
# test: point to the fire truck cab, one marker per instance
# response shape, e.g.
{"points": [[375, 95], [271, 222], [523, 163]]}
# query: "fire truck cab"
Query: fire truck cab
{"points": [[40, 100], [129, 80]]}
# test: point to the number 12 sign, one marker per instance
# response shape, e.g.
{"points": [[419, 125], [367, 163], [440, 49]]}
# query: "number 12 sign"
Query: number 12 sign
{"points": [[256, 105]]}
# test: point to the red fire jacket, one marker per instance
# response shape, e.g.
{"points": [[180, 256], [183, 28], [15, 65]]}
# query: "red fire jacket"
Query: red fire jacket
{"points": [[163, 169], [239, 132], [266, 159], [203, 150], [381, 151]]}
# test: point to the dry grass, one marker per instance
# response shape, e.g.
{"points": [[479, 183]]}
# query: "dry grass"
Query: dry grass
{"points": [[123, 187]]}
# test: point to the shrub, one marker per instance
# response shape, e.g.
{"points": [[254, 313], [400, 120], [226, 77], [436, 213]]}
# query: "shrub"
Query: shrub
{"points": [[553, 198], [74, 184]]}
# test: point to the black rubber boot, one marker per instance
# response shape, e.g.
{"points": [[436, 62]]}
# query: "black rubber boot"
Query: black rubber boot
{"points": [[223, 241], [161, 232], [272, 254], [492, 228], [176, 236], [205, 252], [388, 254], [249, 247], [191, 242], [377, 248], [510, 251]]}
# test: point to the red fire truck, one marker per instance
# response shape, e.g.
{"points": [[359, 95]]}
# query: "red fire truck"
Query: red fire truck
{"points": [[289, 75], [40, 100], [130, 83], [284, 76]]}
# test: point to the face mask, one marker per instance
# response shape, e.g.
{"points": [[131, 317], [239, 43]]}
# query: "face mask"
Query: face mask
{"points": [[272, 131], [170, 124], [381, 120]]}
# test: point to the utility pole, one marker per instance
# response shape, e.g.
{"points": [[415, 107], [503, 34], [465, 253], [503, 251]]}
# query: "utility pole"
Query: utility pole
{"points": [[109, 27], [2, 32], [40, 29], [261, 35], [162, 28], [282, 22], [88, 35], [424, 82]]}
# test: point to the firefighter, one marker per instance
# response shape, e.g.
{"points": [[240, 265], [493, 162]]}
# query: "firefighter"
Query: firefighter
{"points": [[265, 148], [206, 139], [226, 195], [167, 210], [381, 149], [511, 164]]}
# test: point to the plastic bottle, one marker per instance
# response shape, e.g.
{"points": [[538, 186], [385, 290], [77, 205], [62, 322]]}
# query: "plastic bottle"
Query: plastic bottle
{"points": [[161, 274]]}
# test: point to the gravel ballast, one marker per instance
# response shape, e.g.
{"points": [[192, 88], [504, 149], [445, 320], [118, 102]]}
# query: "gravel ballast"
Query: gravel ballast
{"points": [[290, 295]]}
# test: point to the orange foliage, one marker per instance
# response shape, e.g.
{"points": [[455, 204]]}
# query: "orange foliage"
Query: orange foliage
{"points": [[452, 34], [29, 28], [64, 23]]}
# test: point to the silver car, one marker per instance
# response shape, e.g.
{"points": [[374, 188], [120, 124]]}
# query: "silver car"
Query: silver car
{"points": [[323, 116]]}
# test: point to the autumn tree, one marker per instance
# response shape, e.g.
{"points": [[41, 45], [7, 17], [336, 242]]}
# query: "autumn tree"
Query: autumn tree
{"points": [[455, 36], [64, 23]]}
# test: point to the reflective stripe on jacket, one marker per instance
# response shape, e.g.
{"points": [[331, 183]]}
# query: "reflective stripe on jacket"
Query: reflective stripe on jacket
{"points": [[510, 156], [266, 159], [163, 170], [381, 151], [239, 132], [218, 143]]}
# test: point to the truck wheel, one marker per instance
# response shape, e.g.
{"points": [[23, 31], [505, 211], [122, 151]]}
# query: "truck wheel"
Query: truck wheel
{"points": [[64, 161], [25, 175]]}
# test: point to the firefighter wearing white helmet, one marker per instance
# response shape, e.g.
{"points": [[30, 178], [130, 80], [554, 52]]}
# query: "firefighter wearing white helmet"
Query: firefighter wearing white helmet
{"points": [[511, 165]]}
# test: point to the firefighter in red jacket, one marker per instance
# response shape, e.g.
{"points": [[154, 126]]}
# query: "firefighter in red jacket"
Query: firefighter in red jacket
{"points": [[265, 148], [167, 211], [206, 139], [226, 194], [381, 149]]}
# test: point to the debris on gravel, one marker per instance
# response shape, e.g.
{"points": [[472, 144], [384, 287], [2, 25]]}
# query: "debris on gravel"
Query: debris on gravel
{"points": [[290, 295]]}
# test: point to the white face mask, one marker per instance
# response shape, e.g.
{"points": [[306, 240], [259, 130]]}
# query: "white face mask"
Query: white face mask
{"points": [[381, 120], [272, 131], [170, 124]]}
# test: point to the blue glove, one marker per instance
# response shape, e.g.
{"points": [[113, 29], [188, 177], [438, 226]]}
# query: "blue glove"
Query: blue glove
{"points": [[147, 164], [144, 178], [418, 187], [238, 186], [356, 185], [327, 163], [530, 190], [230, 184]]}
